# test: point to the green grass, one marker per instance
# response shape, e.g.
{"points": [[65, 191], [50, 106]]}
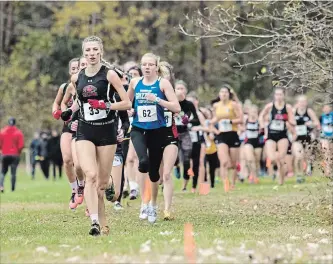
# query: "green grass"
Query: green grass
{"points": [[263, 222]]}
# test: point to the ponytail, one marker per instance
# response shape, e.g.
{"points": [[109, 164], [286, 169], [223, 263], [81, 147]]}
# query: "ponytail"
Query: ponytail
{"points": [[119, 72]]}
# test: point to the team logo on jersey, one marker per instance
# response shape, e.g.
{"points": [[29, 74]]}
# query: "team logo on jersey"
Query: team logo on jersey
{"points": [[281, 117], [89, 91]]}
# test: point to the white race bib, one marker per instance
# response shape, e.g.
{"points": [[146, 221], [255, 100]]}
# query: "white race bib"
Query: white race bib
{"points": [[277, 125], [168, 118], [91, 114], [194, 136], [178, 121], [327, 129], [252, 134], [225, 126], [301, 130], [147, 113], [116, 161]]}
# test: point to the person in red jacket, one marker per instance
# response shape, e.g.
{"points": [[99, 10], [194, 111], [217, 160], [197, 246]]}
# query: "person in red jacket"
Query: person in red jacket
{"points": [[11, 145]]}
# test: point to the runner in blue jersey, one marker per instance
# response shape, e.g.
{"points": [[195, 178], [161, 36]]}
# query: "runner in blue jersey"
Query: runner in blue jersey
{"points": [[326, 121], [151, 94]]}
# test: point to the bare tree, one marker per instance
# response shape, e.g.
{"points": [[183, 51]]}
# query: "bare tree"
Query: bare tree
{"points": [[294, 40]]}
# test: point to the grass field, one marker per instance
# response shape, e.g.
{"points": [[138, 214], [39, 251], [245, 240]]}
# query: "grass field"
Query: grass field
{"points": [[262, 223]]}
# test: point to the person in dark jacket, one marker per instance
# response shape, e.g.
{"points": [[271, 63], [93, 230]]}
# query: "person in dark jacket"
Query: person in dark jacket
{"points": [[11, 145], [55, 154], [34, 153], [44, 158]]}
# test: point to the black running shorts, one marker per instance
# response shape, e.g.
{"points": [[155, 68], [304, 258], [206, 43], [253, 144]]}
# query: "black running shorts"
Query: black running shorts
{"points": [[99, 135]]}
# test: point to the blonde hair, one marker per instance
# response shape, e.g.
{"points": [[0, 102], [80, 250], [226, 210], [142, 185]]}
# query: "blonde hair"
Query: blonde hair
{"points": [[253, 107], [100, 42], [92, 39], [302, 97], [155, 57], [166, 69]]}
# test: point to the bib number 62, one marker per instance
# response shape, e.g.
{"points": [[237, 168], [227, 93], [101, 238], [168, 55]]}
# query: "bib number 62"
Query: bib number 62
{"points": [[146, 113]]}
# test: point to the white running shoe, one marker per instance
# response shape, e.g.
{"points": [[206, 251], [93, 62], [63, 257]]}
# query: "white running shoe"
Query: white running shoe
{"points": [[152, 214], [143, 212], [117, 206]]}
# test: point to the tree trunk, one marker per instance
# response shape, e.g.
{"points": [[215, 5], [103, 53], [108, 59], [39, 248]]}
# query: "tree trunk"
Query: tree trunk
{"points": [[2, 21], [9, 26], [203, 51]]}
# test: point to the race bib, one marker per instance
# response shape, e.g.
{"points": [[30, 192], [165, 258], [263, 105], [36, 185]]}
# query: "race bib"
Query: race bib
{"points": [[327, 129], [225, 126], [277, 125], [207, 140], [194, 136], [252, 134], [168, 118], [116, 161], [147, 113], [91, 114], [178, 121], [301, 130]]}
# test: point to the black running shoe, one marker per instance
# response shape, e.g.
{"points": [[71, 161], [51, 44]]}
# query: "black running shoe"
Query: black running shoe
{"points": [[109, 193], [133, 194], [125, 194], [95, 229]]}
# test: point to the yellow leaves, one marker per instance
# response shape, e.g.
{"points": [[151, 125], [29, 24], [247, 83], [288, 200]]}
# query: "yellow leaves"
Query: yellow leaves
{"points": [[78, 12]]}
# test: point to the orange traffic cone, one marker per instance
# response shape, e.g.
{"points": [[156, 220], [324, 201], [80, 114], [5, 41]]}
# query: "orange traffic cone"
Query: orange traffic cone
{"points": [[189, 244]]}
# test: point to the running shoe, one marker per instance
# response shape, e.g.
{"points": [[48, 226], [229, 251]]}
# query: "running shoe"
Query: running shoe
{"points": [[133, 195], [105, 230], [309, 169], [167, 216], [152, 214], [79, 197], [143, 212], [117, 206], [275, 172], [176, 172], [125, 194], [300, 179], [72, 201], [193, 190], [109, 193], [95, 229]]}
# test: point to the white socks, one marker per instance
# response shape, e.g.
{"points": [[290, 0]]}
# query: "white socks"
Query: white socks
{"points": [[81, 183], [94, 217], [133, 185], [73, 186]]}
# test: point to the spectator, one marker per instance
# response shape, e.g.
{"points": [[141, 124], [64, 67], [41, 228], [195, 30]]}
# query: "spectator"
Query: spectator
{"points": [[11, 145], [55, 154], [44, 155], [34, 153]]}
